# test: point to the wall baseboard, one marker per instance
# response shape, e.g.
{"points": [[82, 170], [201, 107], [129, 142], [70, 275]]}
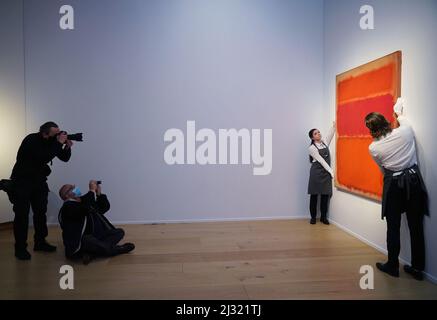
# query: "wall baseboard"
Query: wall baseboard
{"points": [[428, 276], [198, 220], [210, 220]]}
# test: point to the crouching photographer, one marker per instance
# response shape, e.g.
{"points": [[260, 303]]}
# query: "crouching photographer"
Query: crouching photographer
{"points": [[86, 232]]}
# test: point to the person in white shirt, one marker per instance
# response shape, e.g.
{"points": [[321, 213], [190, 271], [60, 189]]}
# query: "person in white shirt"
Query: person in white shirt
{"points": [[394, 150], [321, 174]]}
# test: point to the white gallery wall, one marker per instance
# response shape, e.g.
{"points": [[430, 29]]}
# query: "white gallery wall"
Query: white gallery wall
{"points": [[404, 25], [130, 70], [12, 104]]}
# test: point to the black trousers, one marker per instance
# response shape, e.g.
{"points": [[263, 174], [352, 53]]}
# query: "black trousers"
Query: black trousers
{"points": [[105, 245], [398, 201], [26, 195], [324, 202]]}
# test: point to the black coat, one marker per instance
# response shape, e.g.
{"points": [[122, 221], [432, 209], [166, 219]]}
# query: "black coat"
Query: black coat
{"points": [[84, 217], [33, 156]]}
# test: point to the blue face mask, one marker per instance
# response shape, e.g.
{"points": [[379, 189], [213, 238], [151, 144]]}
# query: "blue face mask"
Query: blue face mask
{"points": [[76, 191]]}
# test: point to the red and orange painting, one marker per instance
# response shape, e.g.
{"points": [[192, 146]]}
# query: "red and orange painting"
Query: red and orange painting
{"points": [[372, 87]]}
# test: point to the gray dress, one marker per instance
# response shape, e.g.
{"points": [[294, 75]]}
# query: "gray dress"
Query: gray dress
{"points": [[320, 180]]}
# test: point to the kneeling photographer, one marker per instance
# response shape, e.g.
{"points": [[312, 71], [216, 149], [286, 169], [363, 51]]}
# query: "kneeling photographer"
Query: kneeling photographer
{"points": [[86, 232], [28, 185]]}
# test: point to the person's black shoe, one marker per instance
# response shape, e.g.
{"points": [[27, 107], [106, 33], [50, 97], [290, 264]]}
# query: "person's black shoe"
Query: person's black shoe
{"points": [[416, 274], [44, 246], [313, 221], [384, 267], [325, 221], [87, 258], [22, 254], [125, 248]]}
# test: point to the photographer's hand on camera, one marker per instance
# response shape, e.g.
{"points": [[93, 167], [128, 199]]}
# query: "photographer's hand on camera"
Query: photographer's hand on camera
{"points": [[68, 143], [62, 138], [93, 186], [99, 189]]}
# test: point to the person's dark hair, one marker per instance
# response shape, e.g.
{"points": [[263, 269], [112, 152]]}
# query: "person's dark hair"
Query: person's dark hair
{"points": [[45, 128], [310, 134], [378, 125], [65, 189]]}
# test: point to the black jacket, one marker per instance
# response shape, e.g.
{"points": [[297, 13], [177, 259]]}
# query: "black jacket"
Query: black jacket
{"points": [[84, 217], [33, 156]]}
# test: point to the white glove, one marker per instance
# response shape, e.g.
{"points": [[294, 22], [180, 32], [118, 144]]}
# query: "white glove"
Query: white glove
{"points": [[399, 106]]}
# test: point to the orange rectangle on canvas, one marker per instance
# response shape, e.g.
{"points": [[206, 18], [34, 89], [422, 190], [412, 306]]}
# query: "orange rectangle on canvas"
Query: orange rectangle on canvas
{"points": [[356, 169]]}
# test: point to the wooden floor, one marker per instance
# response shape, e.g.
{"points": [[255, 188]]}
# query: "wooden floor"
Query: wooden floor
{"points": [[288, 259]]}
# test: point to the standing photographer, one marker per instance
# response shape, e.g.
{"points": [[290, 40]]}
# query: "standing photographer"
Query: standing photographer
{"points": [[30, 189]]}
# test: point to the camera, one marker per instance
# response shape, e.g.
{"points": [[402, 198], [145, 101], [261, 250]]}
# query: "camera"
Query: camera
{"points": [[99, 182], [72, 137]]}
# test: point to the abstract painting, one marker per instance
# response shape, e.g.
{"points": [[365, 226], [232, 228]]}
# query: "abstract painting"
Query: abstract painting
{"points": [[372, 87]]}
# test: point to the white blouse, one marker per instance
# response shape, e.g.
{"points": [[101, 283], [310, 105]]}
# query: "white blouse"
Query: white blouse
{"points": [[397, 150], [314, 152]]}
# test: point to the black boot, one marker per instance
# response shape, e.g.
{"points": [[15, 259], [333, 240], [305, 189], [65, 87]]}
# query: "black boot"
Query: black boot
{"points": [[416, 274], [125, 248], [324, 221], [22, 254], [385, 267], [313, 221], [44, 246], [87, 258]]}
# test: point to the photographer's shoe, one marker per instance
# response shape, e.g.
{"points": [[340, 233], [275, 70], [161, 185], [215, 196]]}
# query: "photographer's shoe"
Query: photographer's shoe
{"points": [[313, 221], [324, 221], [125, 248], [384, 267], [416, 274], [44, 246], [22, 254], [87, 258]]}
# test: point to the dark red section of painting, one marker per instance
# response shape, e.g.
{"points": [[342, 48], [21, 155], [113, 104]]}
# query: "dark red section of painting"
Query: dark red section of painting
{"points": [[350, 116]]}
